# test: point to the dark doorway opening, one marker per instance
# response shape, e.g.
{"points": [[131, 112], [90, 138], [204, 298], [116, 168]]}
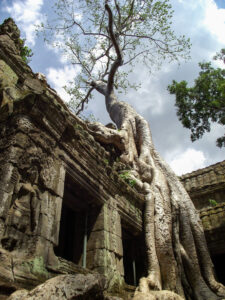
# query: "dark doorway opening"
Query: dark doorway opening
{"points": [[71, 234], [133, 257], [219, 264], [78, 215]]}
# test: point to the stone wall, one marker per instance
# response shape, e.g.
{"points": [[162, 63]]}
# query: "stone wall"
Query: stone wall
{"points": [[206, 188], [205, 184], [42, 144]]}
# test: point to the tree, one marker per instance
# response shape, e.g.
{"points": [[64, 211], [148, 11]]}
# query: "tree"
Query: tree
{"points": [[203, 103], [178, 260], [142, 29]]}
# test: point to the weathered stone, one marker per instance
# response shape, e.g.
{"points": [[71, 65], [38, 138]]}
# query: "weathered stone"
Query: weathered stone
{"points": [[66, 287], [109, 220], [9, 27], [12, 154], [35, 267], [101, 258], [7, 76], [6, 268], [157, 295], [119, 265], [9, 177], [143, 296], [5, 202], [105, 240], [34, 85], [52, 175], [49, 219], [112, 298], [204, 182], [19, 295], [9, 180], [18, 140]]}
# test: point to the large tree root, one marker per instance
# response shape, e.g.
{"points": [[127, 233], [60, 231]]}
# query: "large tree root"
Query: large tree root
{"points": [[178, 259]]}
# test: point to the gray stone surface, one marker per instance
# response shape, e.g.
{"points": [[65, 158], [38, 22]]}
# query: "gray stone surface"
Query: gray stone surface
{"points": [[41, 142], [65, 287]]}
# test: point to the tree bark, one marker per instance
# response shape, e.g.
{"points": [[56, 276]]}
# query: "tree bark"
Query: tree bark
{"points": [[178, 259]]}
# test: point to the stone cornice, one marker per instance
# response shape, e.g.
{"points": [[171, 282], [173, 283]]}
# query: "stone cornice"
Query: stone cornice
{"points": [[205, 180]]}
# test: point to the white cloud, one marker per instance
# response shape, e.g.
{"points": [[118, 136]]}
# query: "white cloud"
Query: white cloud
{"points": [[215, 20], [61, 77], [27, 15], [188, 161]]}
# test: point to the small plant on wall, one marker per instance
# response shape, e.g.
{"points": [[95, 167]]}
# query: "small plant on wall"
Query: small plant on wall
{"points": [[213, 202], [25, 51], [126, 177]]}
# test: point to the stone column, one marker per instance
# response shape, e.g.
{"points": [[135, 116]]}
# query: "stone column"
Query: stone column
{"points": [[104, 248], [50, 212]]}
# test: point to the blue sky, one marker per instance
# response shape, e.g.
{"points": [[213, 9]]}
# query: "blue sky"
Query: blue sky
{"points": [[201, 20], [220, 3]]}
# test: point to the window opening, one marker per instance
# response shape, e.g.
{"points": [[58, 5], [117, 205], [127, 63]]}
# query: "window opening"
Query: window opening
{"points": [[133, 257], [78, 216], [71, 234]]}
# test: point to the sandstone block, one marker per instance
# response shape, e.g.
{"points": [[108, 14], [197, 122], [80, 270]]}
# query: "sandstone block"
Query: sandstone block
{"points": [[101, 258], [65, 287], [109, 220], [7, 76]]}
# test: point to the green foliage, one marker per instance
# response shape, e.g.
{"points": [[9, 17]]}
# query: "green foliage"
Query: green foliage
{"points": [[212, 202], [78, 126], [142, 29], [25, 52], [106, 161], [126, 177], [203, 103]]}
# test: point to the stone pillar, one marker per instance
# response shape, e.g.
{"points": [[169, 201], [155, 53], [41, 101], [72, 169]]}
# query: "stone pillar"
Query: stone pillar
{"points": [[104, 248]]}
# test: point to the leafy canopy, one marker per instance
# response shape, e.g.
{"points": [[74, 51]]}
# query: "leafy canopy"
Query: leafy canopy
{"points": [[142, 29], [203, 103]]}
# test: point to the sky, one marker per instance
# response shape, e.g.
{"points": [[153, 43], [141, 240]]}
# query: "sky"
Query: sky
{"points": [[201, 20]]}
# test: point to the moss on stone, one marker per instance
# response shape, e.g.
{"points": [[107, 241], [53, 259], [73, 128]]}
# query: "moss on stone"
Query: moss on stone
{"points": [[37, 267], [7, 76]]}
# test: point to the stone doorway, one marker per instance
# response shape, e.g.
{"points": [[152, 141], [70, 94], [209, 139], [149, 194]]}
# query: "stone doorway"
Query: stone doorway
{"points": [[219, 264], [71, 234], [133, 257], [78, 216]]}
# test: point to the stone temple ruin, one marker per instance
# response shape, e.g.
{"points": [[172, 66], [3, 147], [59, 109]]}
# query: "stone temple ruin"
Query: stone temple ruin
{"points": [[64, 208]]}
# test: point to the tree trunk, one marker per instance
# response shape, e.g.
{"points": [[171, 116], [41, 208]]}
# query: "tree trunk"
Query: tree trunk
{"points": [[178, 259]]}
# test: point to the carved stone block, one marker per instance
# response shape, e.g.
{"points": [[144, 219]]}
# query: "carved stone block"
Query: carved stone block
{"points": [[100, 258], [109, 220]]}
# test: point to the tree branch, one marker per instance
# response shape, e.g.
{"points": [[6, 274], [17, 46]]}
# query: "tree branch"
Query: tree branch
{"points": [[81, 28], [119, 61], [100, 86], [135, 56], [79, 60], [84, 100], [119, 14], [130, 13]]}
